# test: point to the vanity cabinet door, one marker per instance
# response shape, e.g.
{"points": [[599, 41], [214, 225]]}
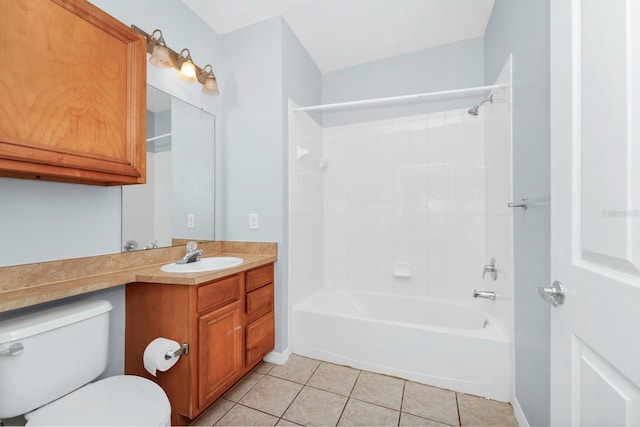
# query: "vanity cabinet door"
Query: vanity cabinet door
{"points": [[73, 88], [220, 354]]}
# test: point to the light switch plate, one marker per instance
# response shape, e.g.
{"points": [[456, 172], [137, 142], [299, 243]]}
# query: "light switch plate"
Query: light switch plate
{"points": [[253, 221]]}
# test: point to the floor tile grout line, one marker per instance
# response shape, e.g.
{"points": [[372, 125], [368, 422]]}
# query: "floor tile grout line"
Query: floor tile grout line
{"points": [[257, 410], [379, 406], [348, 397], [404, 387], [458, 408], [299, 391], [246, 392], [225, 413], [312, 373], [355, 382]]}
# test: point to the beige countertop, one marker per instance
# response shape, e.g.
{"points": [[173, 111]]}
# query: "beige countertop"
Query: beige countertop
{"points": [[31, 284], [153, 274]]}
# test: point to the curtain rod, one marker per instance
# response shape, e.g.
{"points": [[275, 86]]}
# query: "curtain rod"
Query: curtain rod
{"points": [[397, 98]]}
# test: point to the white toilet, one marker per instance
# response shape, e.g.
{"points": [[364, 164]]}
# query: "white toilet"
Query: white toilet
{"points": [[47, 360]]}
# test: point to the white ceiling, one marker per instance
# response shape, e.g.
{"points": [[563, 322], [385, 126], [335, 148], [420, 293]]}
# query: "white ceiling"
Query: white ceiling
{"points": [[342, 33]]}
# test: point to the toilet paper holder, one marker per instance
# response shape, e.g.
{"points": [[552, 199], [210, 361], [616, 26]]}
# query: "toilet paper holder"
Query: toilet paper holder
{"points": [[184, 349]]}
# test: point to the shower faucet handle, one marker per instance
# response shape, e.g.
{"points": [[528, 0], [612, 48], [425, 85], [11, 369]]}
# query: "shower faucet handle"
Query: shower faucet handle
{"points": [[491, 268]]}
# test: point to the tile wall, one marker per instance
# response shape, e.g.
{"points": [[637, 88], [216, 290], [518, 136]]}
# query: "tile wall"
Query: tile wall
{"points": [[406, 193], [306, 207], [423, 194], [498, 193]]}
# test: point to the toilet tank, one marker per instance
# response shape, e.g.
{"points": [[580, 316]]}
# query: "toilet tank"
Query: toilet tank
{"points": [[65, 347]]}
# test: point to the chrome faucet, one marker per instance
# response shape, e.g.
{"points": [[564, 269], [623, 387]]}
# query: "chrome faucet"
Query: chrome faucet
{"points": [[192, 254], [484, 294]]}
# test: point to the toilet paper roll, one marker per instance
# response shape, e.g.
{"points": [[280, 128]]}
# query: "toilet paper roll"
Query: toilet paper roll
{"points": [[153, 357]]}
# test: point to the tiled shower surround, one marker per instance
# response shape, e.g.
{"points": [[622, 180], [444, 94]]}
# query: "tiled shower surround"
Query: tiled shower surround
{"points": [[424, 194], [405, 193]]}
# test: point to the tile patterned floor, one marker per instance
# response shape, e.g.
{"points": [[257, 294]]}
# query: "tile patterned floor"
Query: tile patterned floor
{"points": [[310, 392]]}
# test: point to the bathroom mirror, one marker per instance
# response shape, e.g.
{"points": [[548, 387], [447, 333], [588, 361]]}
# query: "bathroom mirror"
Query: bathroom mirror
{"points": [[177, 202]]}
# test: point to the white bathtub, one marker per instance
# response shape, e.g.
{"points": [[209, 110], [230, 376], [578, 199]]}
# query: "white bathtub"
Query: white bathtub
{"points": [[433, 342]]}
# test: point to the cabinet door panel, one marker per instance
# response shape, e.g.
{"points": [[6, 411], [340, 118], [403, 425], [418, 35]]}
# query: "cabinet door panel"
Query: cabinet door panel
{"points": [[260, 338], [73, 103], [220, 351]]}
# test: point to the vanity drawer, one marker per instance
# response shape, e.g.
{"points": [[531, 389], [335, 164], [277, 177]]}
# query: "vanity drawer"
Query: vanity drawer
{"points": [[218, 293], [259, 302], [259, 277], [260, 338]]}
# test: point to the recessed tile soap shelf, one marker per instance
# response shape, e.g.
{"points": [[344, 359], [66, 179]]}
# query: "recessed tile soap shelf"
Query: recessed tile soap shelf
{"points": [[401, 269]]}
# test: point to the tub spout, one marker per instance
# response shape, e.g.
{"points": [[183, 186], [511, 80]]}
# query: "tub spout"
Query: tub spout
{"points": [[484, 294]]}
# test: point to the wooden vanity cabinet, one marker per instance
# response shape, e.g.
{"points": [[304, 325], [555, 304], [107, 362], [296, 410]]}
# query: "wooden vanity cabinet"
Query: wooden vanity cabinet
{"points": [[228, 324], [73, 87], [260, 331]]}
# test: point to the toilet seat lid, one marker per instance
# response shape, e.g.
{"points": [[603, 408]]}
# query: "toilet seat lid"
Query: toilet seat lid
{"points": [[123, 400]]}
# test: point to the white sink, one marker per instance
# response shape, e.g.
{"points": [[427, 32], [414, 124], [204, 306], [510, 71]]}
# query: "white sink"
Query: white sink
{"points": [[205, 264]]}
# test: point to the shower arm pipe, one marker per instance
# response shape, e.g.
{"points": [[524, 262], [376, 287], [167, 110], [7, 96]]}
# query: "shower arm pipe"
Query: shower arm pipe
{"points": [[397, 98]]}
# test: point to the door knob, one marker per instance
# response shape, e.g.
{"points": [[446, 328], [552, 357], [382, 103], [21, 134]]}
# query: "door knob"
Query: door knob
{"points": [[553, 295]]}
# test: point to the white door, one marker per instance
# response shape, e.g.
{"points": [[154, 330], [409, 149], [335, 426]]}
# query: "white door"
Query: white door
{"points": [[595, 212]]}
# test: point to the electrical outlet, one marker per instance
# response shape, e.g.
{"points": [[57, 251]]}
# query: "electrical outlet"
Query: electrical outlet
{"points": [[253, 221], [191, 221]]}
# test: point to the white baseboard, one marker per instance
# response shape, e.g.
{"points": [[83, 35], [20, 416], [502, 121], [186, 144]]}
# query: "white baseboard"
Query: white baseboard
{"points": [[517, 411], [279, 358]]}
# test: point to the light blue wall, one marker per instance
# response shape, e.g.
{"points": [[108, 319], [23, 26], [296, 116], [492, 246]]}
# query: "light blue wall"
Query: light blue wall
{"points": [[267, 65], [301, 77], [452, 66], [252, 154], [43, 221], [252, 133], [522, 27]]}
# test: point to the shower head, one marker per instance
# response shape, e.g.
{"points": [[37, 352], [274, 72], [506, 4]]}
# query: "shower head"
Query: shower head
{"points": [[474, 110]]}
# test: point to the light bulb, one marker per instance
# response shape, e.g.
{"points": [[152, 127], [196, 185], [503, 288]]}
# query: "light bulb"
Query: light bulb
{"points": [[188, 72], [187, 69], [160, 57], [160, 52], [211, 86]]}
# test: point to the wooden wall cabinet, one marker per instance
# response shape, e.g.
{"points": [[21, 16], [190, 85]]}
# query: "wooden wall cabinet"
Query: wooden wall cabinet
{"points": [[73, 101], [228, 324]]}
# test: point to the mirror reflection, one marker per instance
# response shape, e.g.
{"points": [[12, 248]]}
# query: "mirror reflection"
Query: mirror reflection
{"points": [[177, 202]]}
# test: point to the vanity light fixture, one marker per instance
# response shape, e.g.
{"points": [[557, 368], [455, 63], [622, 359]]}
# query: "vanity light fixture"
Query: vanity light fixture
{"points": [[165, 57], [187, 67], [210, 84], [159, 51]]}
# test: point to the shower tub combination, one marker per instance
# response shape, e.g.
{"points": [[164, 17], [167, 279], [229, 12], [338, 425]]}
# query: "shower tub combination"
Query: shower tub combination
{"points": [[429, 341]]}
